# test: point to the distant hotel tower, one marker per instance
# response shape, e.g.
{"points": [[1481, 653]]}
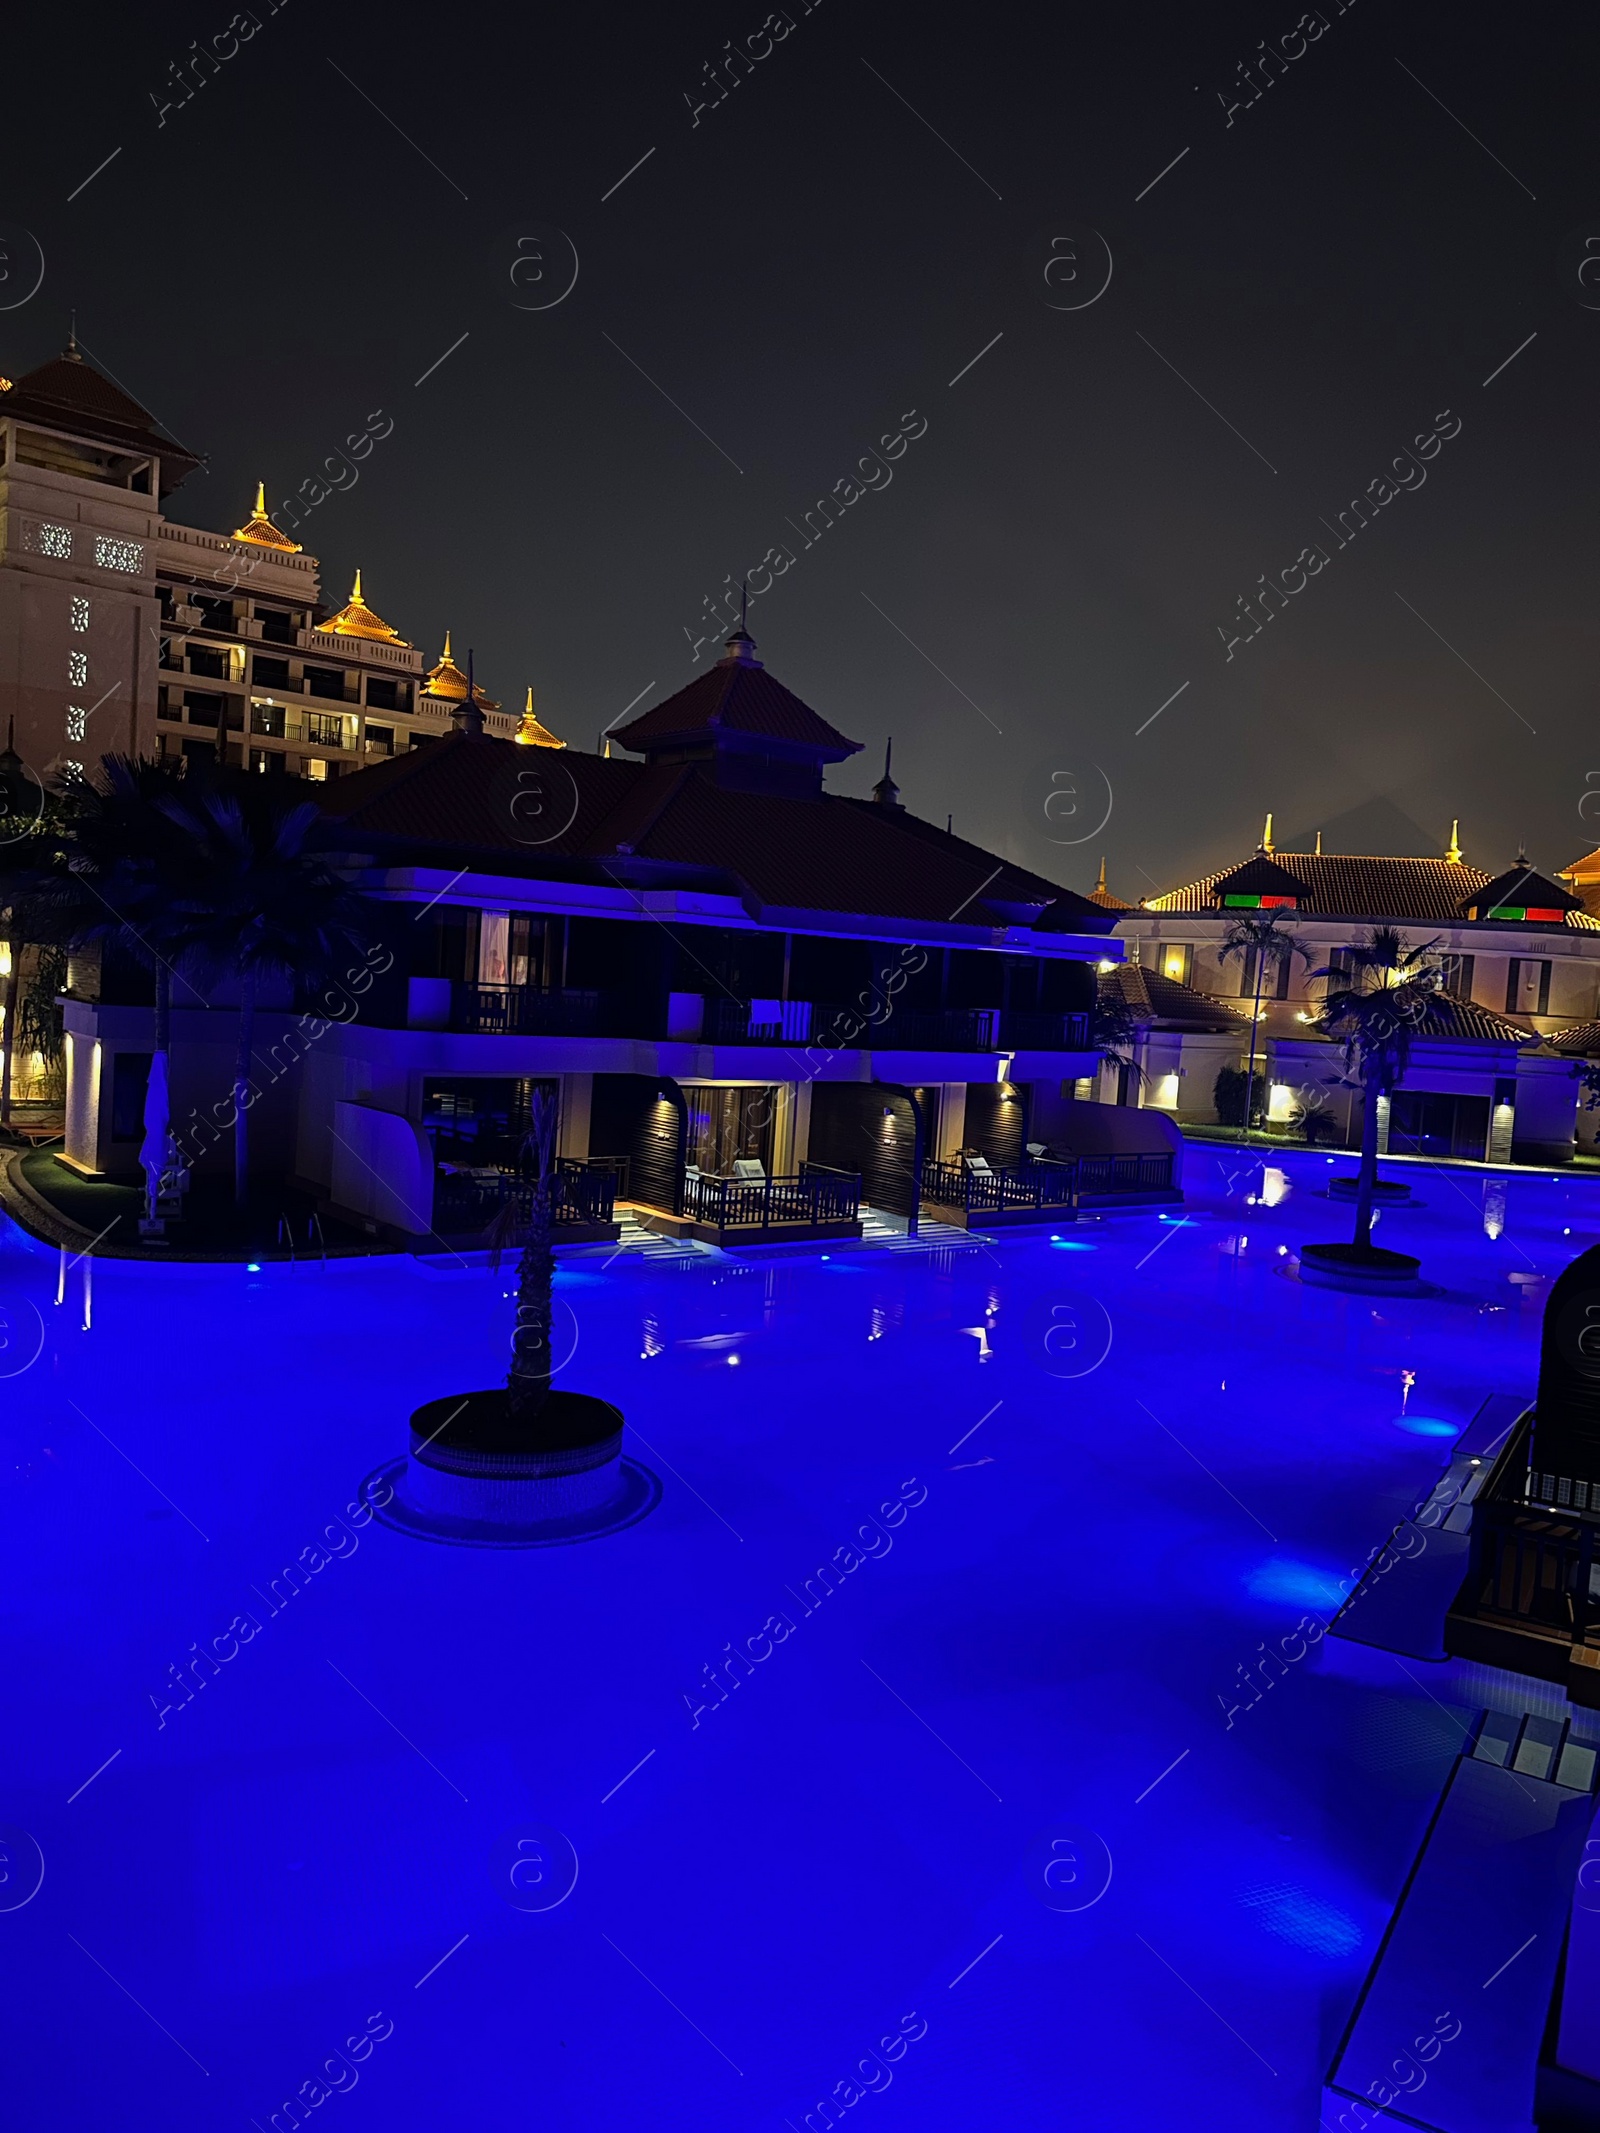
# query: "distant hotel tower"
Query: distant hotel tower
{"points": [[122, 630]]}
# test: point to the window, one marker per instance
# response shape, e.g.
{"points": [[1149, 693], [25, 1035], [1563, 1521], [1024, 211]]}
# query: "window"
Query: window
{"points": [[1341, 970], [1176, 962], [382, 695], [326, 728], [50, 540], [200, 751], [1527, 987], [78, 669], [113, 554], [316, 770], [270, 762], [204, 659], [204, 710], [215, 614], [269, 673], [268, 718], [80, 613], [325, 681], [380, 740], [77, 718], [275, 628], [1457, 976], [1274, 978]]}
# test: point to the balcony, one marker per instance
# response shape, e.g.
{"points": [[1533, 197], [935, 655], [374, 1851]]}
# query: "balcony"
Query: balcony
{"points": [[813, 1204], [896, 1028], [468, 1201], [521, 1011], [1051, 1189]]}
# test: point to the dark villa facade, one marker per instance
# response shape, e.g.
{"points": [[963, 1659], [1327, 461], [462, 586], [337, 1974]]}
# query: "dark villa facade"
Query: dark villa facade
{"points": [[770, 1012]]}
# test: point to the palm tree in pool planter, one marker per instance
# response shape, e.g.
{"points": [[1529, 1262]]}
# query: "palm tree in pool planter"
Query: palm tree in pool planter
{"points": [[524, 1462], [528, 1383], [1261, 941], [1373, 1014]]}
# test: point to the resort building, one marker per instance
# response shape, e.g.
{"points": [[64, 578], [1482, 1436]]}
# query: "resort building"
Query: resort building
{"points": [[766, 1009], [124, 630], [1492, 1073]]}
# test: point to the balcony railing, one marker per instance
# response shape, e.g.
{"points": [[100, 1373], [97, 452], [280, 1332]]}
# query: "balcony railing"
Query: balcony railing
{"points": [[1035, 1186], [889, 1026], [813, 1195], [1062, 1182], [469, 1199], [524, 1011]]}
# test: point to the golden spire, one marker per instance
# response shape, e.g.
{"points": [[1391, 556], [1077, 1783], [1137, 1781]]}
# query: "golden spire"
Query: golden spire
{"points": [[356, 619], [260, 529], [1453, 856], [447, 682], [1318, 853], [1266, 834], [531, 733], [1100, 885]]}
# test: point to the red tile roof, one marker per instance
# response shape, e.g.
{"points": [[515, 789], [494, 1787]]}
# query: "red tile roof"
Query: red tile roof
{"points": [[1337, 885], [68, 393], [735, 696], [577, 814]]}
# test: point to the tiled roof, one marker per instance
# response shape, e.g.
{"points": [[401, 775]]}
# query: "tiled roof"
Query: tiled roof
{"points": [[1582, 1041], [735, 696], [1150, 997], [1432, 892], [68, 393], [1448, 1017], [569, 813]]}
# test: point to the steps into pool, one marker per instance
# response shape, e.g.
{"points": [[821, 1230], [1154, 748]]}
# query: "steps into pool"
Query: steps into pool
{"points": [[1447, 2029]]}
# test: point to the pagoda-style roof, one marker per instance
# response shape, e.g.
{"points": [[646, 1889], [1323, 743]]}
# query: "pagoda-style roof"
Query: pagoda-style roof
{"points": [[736, 697], [447, 682], [260, 529], [1259, 885], [69, 394], [356, 619], [1375, 890], [783, 855], [1102, 896], [1522, 895], [531, 732]]}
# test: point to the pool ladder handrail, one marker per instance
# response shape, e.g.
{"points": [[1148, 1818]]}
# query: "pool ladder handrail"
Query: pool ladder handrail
{"points": [[314, 1226], [286, 1235]]}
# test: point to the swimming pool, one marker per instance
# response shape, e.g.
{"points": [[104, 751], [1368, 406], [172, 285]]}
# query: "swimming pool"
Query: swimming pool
{"points": [[974, 1793]]}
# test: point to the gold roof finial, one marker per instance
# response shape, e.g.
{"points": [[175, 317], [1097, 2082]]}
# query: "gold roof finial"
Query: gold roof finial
{"points": [[1100, 885], [531, 733], [1266, 834], [356, 619], [1453, 855], [260, 529], [1318, 853]]}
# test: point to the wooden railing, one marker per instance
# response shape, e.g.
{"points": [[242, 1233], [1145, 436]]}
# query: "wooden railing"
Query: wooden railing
{"points": [[524, 1011], [813, 1195], [1044, 1184], [471, 1199], [1530, 1564]]}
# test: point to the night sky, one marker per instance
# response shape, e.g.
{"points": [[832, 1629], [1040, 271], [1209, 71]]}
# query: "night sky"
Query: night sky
{"points": [[803, 272]]}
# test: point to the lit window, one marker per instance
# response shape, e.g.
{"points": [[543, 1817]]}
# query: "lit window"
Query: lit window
{"points": [[73, 769], [50, 540], [76, 720], [112, 554], [316, 770], [78, 669], [80, 613]]}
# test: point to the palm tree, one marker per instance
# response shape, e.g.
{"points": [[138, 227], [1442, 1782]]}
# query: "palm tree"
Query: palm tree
{"points": [[131, 864], [1114, 1028], [1263, 937], [262, 907], [528, 1382], [1373, 1014]]}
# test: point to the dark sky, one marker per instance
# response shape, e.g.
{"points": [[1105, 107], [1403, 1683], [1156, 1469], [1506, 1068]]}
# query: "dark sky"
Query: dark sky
{"points": [[810, 263]]}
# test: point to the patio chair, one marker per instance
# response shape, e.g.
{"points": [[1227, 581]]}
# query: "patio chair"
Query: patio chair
{"points": [[748, 1171], [978, 1165]]}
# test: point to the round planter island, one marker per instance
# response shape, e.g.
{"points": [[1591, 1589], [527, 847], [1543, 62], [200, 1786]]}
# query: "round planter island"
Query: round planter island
{"points": [[1384, 1193], [1365, 1268], [479, 1477]]}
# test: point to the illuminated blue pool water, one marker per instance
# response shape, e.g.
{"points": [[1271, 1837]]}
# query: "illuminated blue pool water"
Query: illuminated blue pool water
{"points": [[1111, 1470]]}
